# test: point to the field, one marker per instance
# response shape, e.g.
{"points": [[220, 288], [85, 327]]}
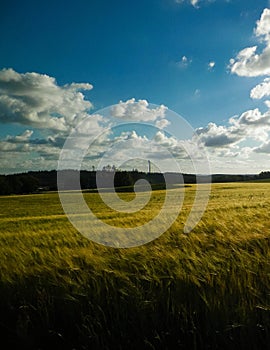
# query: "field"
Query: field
{"points": [[209, 289]]}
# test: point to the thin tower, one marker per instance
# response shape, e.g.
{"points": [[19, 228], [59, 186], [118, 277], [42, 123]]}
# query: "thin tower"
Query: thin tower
{"points": [[149, 166]]}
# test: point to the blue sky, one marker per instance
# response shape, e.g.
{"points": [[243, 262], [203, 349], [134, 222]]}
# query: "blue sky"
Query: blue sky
{"points": [[180, 54]]}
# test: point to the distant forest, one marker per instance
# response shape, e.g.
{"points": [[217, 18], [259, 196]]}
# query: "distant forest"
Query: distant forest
{"points": [[40, 181]]}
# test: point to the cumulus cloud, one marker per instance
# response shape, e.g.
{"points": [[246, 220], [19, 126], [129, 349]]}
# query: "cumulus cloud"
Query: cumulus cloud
{"points": [[39, 103], [133, 110], [250, 62], [53, 111], [160, 148], [162, 123], [251, 124], [237, 143], [36, 100], [161, 139], [261, 90], [253, 118], [217, 136], [262, 28]]}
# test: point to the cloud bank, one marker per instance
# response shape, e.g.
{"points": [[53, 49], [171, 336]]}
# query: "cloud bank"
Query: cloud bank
{"points": [[36, 100]]}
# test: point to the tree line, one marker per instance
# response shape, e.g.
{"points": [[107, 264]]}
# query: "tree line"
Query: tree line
{"points": [[38, 181]]}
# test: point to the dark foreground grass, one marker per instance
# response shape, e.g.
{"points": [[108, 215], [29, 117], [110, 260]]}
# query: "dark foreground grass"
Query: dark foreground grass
{"points": [[205, 290]]}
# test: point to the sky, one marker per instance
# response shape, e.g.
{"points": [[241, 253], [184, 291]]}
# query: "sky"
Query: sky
{"points": [[135, 80]]}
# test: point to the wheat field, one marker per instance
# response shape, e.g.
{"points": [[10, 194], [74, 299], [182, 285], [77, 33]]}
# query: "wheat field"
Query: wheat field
{"points": [[209, 289]]}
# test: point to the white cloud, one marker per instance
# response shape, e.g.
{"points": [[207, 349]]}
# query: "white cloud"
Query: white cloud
{"points": [[261, 90], [184, 59], [133, 110], [263, 25], [162, 123], [21, 138], [131, 145], [217, 136], [211, 65], [39, 102], [36, 100], [254, 118], [195, 3], [235, 147], [251, 124], [91, 125], [184, 62], [267, 103], [161, 139], [249, 62], [18, 143]]}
